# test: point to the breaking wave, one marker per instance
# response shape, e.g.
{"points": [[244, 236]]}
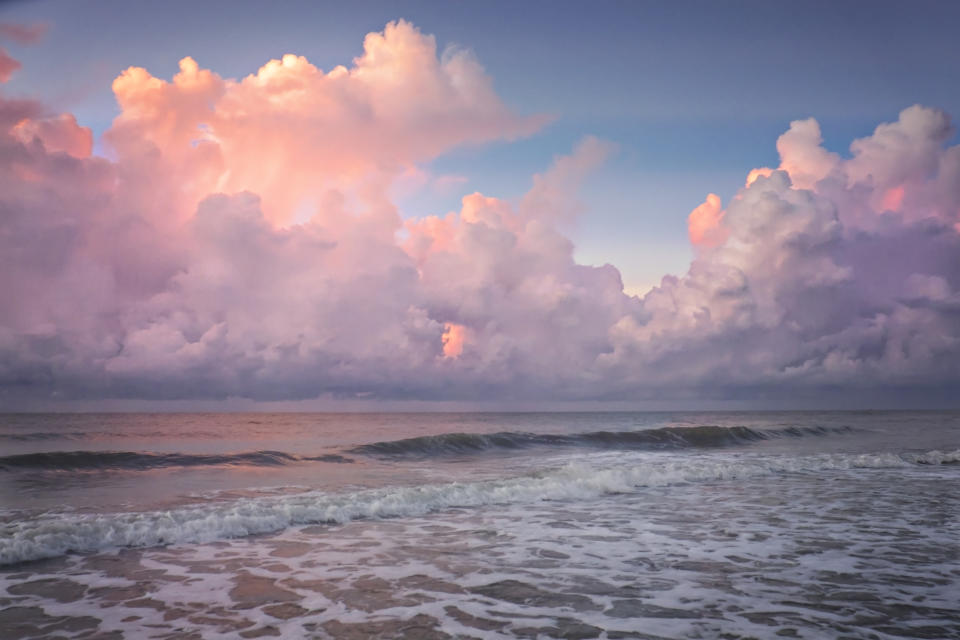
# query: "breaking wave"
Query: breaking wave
{"points": [[447, 444], [52, 535], [934, 457], [707, 436]]}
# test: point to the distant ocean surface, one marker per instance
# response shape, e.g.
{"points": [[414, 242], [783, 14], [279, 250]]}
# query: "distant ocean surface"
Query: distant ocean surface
{"points": [[480, 525]]}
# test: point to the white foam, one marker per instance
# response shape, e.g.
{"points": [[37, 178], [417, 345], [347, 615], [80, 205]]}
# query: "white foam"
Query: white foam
{"points": [[935, 457], [57, 534]]}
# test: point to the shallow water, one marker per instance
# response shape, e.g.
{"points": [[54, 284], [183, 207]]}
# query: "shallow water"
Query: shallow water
{"points": [[814, 525]]}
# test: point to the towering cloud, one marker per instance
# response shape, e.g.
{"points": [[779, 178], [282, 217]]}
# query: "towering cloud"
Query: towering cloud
{"points": [[824, 278], [242, 242], [298, 136]]}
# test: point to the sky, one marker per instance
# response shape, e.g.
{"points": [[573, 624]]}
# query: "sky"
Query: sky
{"points": [[503, 203]]}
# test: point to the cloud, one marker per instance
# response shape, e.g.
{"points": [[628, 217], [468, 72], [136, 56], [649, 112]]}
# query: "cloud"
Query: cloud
{"points": [[23, 33], [242, 242], [56, 134], [704, 225], [818, 282], [295, 135], [454, 335], [802, 156], [8, 65]]}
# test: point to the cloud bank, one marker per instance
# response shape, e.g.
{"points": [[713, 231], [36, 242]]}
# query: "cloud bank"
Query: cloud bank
{"points": [[239, 241]]}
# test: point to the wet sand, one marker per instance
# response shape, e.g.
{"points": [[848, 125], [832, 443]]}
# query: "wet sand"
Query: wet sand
{"points": [[697, 561]]}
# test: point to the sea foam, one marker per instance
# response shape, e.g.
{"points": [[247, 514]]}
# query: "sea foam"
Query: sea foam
{"points": [[51, 535]]}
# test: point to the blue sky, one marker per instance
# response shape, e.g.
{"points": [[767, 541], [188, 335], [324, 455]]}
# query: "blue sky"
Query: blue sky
{"points": [[693, 93]]}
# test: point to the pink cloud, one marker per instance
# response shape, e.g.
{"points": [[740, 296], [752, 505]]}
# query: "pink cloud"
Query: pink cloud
{"points": [[834, 271], [23, 33], [8, 65], [704, 225], [454, 337], [761, 172], [59, 134], [551, 194], [293, 133], [244, 242]]}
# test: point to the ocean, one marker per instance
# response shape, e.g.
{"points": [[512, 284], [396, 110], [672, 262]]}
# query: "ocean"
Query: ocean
{"points": [[481, 525]]}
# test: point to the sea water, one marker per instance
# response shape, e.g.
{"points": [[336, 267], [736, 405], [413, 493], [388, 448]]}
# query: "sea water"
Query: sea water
{"points": [[549, 525]]}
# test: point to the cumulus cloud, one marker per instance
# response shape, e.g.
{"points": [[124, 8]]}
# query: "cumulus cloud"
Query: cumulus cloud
{"points": [[242, 242], [818, 281], [704, 224], [297, 135]]}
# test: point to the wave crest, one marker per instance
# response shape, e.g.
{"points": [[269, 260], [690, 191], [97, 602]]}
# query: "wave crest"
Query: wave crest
{"points": [[706, 436], [58, 534]]}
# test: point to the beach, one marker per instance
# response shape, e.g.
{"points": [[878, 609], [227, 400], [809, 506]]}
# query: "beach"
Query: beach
{"points": [[489, 526]]}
